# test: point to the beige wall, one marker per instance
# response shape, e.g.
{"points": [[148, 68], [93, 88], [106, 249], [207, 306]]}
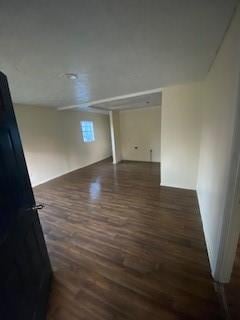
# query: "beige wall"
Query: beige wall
{"points": [[42, 139], [115, 136], [80, 154], [218, 115], [52, 141], [198, 150], [180, 136], [140, 128]]}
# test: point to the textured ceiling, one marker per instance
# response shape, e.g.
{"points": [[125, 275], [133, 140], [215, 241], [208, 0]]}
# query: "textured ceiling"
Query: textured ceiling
{"points": [[115, 47]]}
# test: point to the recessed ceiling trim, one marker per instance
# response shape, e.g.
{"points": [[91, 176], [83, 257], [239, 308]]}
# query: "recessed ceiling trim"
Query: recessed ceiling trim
{"points": [[91, 103]]}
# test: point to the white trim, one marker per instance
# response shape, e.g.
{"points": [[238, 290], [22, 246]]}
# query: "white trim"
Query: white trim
{"points": [[67, 172], [177, 186], [47, 180], [208, 243]]}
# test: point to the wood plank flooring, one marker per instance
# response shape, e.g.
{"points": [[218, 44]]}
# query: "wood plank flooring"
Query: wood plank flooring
{"points": [[232, 290], [124, 248]]}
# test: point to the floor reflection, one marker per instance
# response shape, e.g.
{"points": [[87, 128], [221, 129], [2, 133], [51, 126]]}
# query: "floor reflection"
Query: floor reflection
{"points": [[95, 189]]}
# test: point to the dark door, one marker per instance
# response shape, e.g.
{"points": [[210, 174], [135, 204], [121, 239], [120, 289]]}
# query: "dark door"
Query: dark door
{"points": [[25, 270]]}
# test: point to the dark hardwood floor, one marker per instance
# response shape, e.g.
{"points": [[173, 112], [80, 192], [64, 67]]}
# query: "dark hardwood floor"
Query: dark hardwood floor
{"points": [[232, 290], [124, 248]]}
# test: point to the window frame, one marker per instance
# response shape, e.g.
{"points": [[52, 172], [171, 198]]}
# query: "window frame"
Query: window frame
{"points": [[88, 132]]}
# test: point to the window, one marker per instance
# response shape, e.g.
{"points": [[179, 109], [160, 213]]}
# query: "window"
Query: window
{"points": [[87, 131]]}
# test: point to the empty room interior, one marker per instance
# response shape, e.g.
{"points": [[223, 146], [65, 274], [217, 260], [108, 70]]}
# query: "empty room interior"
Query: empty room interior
{"points": [[119, 160]]}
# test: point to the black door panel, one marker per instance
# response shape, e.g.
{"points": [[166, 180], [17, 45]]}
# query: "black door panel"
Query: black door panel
{"points": [[25, 270]]}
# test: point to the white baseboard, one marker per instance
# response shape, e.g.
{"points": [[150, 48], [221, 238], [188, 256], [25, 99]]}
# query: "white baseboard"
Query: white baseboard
{"points": [[210, 250], [66, 172], [177, 186]]}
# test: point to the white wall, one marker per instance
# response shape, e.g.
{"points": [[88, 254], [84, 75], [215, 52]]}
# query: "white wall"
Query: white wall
{"points": [[115, 136], [140, 128], [180, 135], [218, 115], [52, 141], [80, 154]]}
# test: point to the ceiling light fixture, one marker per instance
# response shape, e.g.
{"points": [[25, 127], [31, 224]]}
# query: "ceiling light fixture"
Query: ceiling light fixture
{"points": [[71, 76]]}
